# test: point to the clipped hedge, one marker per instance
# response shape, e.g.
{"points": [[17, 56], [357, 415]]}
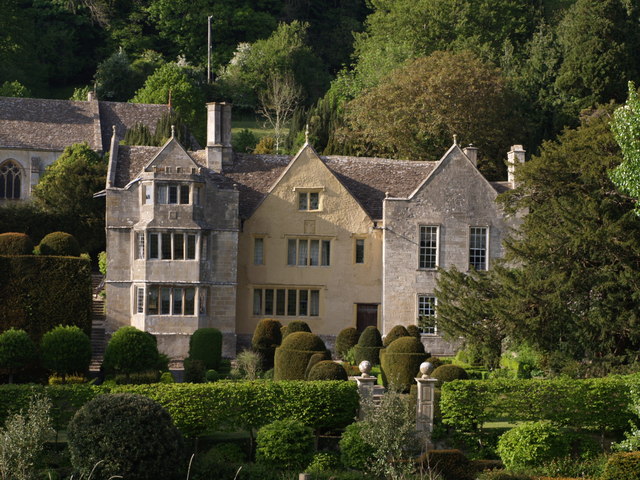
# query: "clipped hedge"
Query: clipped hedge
{"points": [[597, 404], [448, 373], [12, 243], [266, 337], [39, 293], [293, 356], [622, 466], [295, 326], [369, 345], [59, 243], [346, 340], [206, 345], [327, 370], [395, 333], [449, 464], [400, 362]]}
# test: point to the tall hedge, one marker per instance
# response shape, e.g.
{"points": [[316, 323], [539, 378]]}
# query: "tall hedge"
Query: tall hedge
{"points": [[39, 293], [12, 243], [266, 337], [206, 345], [292, 357], [400, 362], [369, 345]]}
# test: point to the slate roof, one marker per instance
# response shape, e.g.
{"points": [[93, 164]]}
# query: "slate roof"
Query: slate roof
{"points": [[44, 124]]}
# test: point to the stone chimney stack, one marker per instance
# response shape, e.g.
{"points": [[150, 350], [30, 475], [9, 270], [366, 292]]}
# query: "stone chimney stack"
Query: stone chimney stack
{"points": [[219, 153], [472, 154], [514, 157]]}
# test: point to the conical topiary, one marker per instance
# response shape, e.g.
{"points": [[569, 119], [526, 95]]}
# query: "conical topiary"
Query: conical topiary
{"points": [[266, 338], [400, 363], [395, 333], [346, 340], [295, 326], [369, 345]]}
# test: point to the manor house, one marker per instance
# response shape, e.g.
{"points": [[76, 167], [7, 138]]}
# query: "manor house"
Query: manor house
{"points": [[215, 238]]}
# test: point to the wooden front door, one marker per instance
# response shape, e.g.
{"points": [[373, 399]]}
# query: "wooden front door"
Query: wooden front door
{"points": [[367, 315]]}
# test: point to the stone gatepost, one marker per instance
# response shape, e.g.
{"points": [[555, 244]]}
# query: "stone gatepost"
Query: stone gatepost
{"points": [[366, 383], [426, 399]]}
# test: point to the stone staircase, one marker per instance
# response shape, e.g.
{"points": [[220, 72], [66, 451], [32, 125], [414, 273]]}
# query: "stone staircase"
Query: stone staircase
{"points": [[97, 323]]}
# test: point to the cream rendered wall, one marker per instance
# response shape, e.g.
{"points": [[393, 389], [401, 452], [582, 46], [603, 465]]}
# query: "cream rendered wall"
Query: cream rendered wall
{"points": [[32, 165], [341, 219]]}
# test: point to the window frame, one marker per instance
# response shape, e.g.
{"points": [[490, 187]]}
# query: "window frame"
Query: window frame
{"points": [[479, 253], [11, 174], [359, 244], [157, 248], [173, 193], [427, 301], [275, 301], [428, 247], [258, 259], [305, 199], [161, 299], [300, 252]]}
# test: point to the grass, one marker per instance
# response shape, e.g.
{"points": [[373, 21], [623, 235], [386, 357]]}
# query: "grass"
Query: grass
{"points": [[254, 123]]}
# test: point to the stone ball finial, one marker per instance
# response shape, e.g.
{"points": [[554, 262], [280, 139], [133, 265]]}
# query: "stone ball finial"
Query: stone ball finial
{"points": [[426, 368], [365, 368]]}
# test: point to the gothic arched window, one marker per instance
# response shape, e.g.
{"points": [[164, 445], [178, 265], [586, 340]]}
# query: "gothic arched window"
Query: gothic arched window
{"points": [[10, 178]]}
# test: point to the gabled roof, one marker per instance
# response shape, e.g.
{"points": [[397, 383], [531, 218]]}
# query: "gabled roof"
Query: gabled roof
{"points": [[45, 124]]}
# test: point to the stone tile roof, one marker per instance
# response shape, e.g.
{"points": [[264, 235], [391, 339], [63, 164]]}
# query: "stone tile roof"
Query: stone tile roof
{"points": [[45, 124], [131, 160]]}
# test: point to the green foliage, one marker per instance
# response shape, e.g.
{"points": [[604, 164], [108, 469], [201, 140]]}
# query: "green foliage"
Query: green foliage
{"points": [[194, 370], [244, 141], [131, 351], [266, 146], [102, 262], [449, 464], [448, 373], [128, 435], [22, 440], [285, 444], [206, 345], [12, 243], [313, 360], [266, 338], [346, 340], [249, 364], [66, 350], [354, 451], [292, 357], [14, 89], [295, 326], [324, 462], [17, 351], [67, 189], [502, 475], [327, 370], [395, 333], [59, 243], [368, 347], [400, 363], [413, 330], [221, 461], [137, 378], [115, 79], [532, 443], [622, 466]]}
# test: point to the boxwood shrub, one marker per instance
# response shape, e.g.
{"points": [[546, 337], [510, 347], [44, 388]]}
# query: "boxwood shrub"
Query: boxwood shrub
{"points": [[12, 243], [266, 337], [531, 444], [285, 444], [327, 370], [59, 243], [395, 333], [206, 345], [622, 466], [292, 357], [400, 362], [346, 340], [295, 326], [369, 345]]}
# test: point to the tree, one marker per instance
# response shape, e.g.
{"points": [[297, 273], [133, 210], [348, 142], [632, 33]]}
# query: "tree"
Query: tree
{"points": [[67, 189], [115, 78], [66, 350], [131, 351], [430, 99], [14, 89], [17, 350], [278, 102], [626, 129]]}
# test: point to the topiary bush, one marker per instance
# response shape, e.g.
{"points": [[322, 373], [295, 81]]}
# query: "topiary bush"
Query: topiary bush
{"points": [[368, 347], [622, 466], [221, 461], [448, 373], [400, 363], [414, 331], [128, 435], [266, 338], [285, 444], [66, 350], [59, 243], [354, 451], [12, 243], [327, 370], [435, 361], [194, 371], [531, 444], [346, 340], [396, 332], [131, 350], [295, 326], [292, 357], [17, 351], [206, 345], [313, 360]]}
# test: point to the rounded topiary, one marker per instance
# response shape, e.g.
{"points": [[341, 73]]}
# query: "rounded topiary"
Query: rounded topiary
{"points": [[316, 358], [131, 350], [17, 351], [346, 340], [292, 357], [66, 350], [285, 444], [354, 451], [127, 435], [396, 332], [59, 243], [327, 370], [531, 444], [447, 373], [295, 326], [206, 345], [368, 347], [12, 243], [435, 361], [266, 337], [400, 362], [414, 331], [622, 466]]}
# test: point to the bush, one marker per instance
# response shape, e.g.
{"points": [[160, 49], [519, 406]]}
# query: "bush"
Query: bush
{"points": [[17, 351], [266, 146], [137, 378], [66, 380], [266, 338], [194, 371], [315, 358], [346, 340], [59, 243], [354, 451], [292, 357], [324, 462], [396, 332], [502, 475], [448, 373], [435, 361], [131, 350], [248, 364], [414, 331], [368, 347], [622, 466], [102, 262], [167, 377], [295, 326], [206, 345], [12, 243], [327, 370], [221, 461], [128, 435], [449, 464], [285, 444], [244, 141], [531, 444], [400, 362], [66, 350]]}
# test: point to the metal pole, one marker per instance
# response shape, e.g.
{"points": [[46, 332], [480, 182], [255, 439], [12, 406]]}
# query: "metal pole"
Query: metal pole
{"points": [[209, 49]]}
